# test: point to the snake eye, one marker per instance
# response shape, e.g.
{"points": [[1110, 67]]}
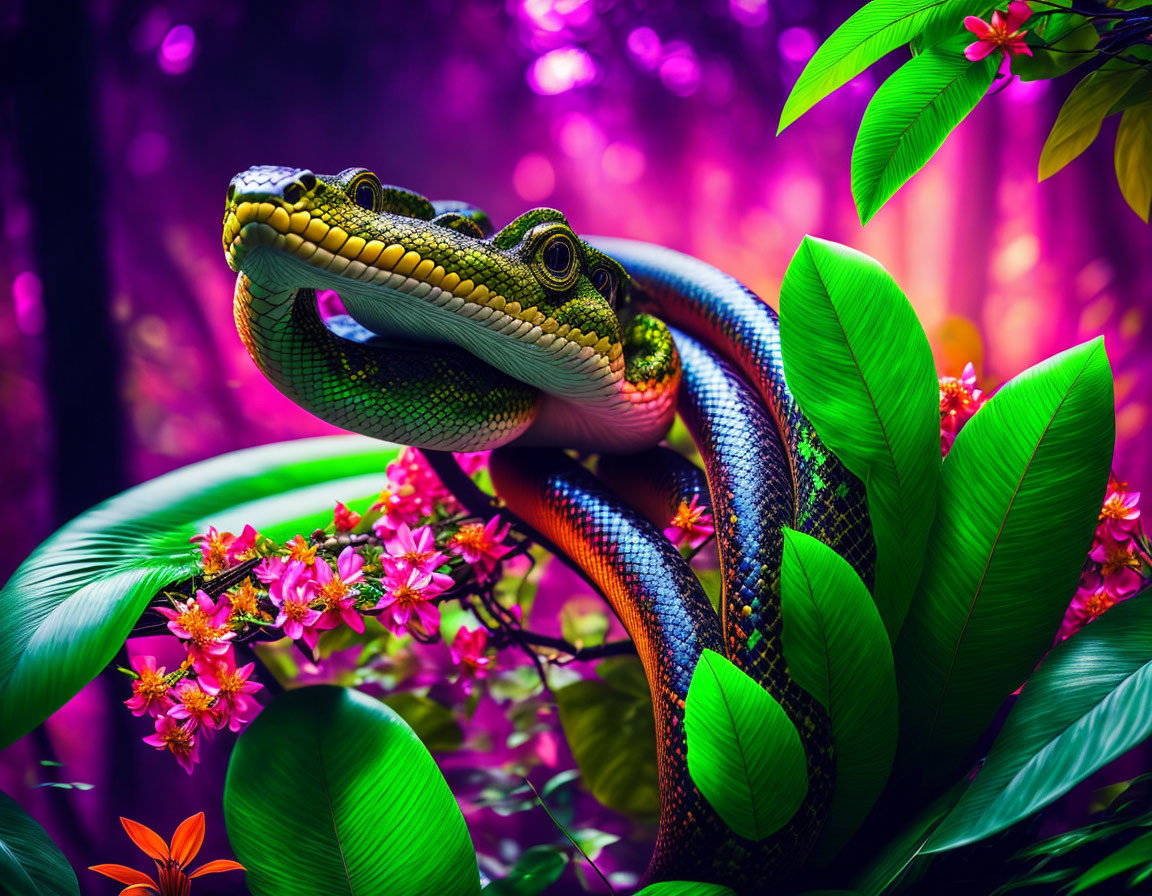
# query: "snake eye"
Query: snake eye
{"points": [[605, 283], [366, 192], [293, 193]]}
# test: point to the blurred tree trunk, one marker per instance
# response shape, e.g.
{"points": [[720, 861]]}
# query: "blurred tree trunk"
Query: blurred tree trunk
{"points": [[54, 90]]}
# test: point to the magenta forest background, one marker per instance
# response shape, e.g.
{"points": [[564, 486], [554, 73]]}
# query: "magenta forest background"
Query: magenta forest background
{"points": [[649, 120]]}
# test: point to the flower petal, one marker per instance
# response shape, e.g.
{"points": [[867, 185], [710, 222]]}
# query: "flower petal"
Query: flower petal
{"points": [[125, 875], [978, 26], [216, 866], [1018, 13], [150, 843], [974, 52], [188, 839]]}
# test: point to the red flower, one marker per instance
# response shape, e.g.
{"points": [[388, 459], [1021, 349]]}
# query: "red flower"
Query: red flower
{"points": [[480, 546], [345, 519], [1002, 33], [203, 623], [231, 686], [151, 691], [468, 650], [179, 739], [170, 862]]}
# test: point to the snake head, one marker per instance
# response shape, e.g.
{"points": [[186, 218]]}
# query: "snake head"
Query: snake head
{"points": [[534, 300]]}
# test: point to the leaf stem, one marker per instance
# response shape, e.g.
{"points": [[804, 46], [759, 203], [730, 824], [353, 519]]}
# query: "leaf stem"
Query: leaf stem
{"points": [[564, 831]]}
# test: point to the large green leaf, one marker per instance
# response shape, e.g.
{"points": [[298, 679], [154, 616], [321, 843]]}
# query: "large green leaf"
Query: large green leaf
{"points": [[1080, 117], [72, 603], [1019, 498], [872, 32], [685, 888], [744, 753], [1134, 158], [330, 792], [610, 728], [909, 118], [30, 863], [1086, 704], [838, 651], [861, 368]]}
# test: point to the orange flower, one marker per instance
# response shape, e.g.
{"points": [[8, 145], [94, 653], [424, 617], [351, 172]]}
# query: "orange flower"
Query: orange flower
{"points": [[170, 862]]}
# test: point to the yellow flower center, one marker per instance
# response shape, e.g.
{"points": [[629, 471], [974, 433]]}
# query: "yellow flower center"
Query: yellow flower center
{"points": [[245, 600], [1098, 603], [953, 396], [151, 684], [687, 516], [298, 549], [1114, 508], [332, 593], [194, 621], [1118, 559], [472, 536], [196, 700]]}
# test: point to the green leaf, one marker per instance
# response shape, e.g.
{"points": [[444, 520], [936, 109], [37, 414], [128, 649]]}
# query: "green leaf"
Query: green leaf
{"points": [[72, 603], [909, 118], [1128, 857], [872, 32], [743, 751], [1134, 158], [1080, 117], [861, 368], [30, 863], [1066, 41], [838, 651], [903, 849], [330, 791], [583, 621], [1085, 705], [611, 730], [685, 888], [534, 872], [1019, 497]]}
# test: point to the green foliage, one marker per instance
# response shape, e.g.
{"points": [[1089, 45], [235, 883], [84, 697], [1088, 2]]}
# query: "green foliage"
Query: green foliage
{"points": [[743, 751], [534, 872], [611, 730], [73, 602], [1133, 855], [685, 888], [1085, 705], [30, 863], [1134, 158], [1080, 117], [1061, 41], [909, 118], [872, 32], [837, 650], [434, 723], [1019, 498], [331, 792], [861, 368]]}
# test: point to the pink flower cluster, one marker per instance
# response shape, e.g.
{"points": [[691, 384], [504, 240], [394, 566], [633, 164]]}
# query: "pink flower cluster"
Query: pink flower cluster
{"points": [[396, 562], [1117, 564], [959, 400]]}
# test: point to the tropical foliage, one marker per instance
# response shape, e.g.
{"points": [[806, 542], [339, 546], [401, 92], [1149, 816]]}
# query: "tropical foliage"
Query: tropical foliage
{"points": [[959, 49]]}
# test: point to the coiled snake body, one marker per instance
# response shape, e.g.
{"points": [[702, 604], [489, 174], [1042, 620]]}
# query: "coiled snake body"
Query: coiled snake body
{"points": [[537, 340]]}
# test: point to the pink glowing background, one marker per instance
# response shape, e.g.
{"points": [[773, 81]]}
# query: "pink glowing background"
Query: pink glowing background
{"points": [[653, 121]]}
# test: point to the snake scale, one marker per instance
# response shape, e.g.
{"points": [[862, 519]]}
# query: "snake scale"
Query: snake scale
{"points": [[532, 340]]}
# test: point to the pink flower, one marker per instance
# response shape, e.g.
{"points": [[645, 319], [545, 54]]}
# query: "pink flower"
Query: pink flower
{"points": [[1002, 33], [180, 740], [1119, 517], [294, 599], [414, 550], [195, 705], [203, 623], [408, 593], [1091, 600], [468, 652], [480, 546], [345, 520], [1119, 567], [472, 462], [337, 594], [219, 550], [959, 401], [270, 569], [150, 692], [231, 687], [398, 507], [691, 525]]}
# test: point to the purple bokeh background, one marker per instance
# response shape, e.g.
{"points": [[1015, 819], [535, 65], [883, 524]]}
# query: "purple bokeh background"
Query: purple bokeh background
{"points": [[652, 120]]}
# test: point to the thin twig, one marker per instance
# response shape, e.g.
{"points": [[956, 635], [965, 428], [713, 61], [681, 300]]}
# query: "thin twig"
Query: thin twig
{"points": [[564, 831]]}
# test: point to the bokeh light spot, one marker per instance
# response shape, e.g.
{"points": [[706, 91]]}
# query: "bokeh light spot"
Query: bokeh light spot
{"points": [[579, 136], [796, 44], [177, 50], [26, 293], [561, 70], [750, 13], [680, 69], [645, 47], [534, 178], [147, 153], [623, 163]]}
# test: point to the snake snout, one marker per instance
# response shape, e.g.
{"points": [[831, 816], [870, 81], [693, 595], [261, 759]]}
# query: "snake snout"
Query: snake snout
{"points": [[270, 182]]}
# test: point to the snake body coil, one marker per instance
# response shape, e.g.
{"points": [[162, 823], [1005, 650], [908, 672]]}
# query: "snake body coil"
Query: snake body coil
{"points": [[463, 340]]}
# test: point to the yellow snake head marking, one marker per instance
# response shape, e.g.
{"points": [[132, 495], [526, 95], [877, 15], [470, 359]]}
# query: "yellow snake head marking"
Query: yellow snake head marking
{"points": [[533, 301]]}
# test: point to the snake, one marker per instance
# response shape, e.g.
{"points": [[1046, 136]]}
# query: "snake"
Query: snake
{"points": [[551, 349]]}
